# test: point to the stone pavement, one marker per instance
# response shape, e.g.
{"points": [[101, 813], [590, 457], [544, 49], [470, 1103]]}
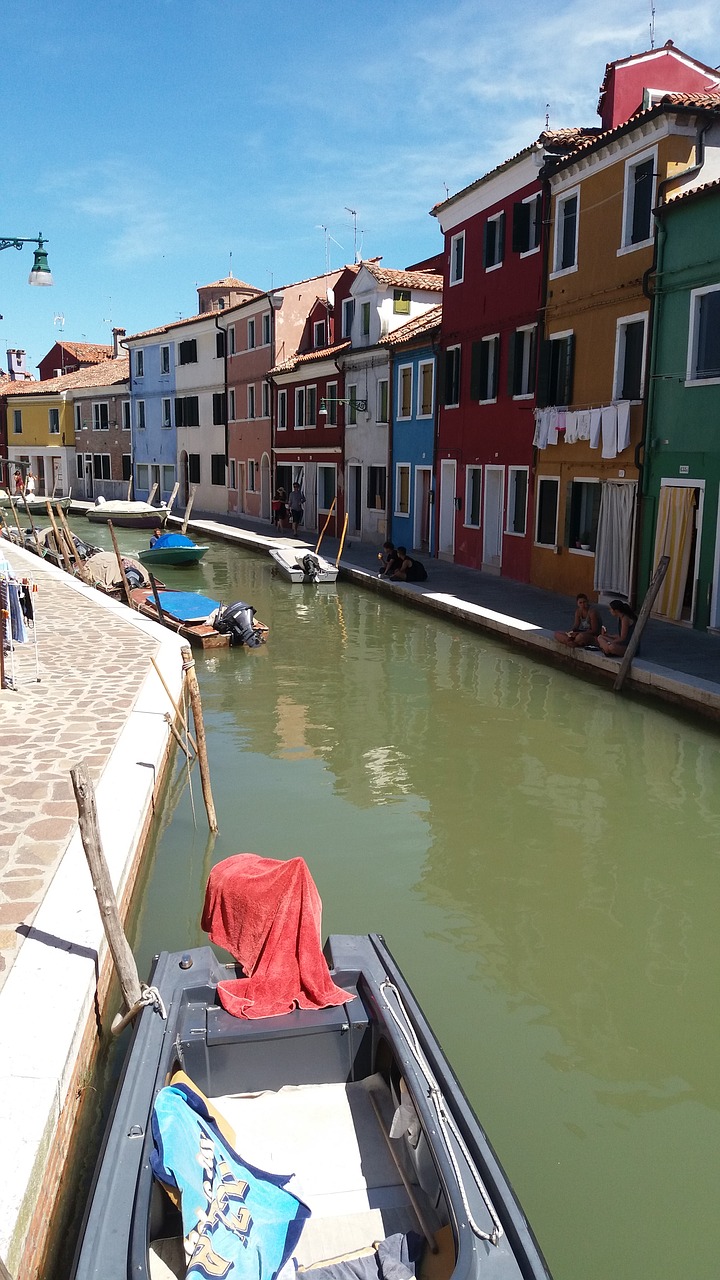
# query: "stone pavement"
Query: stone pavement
{"points": [[91, 663]]}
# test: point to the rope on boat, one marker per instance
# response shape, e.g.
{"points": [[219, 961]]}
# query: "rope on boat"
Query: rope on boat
{"points": [[446, 1122], [148, 996]]}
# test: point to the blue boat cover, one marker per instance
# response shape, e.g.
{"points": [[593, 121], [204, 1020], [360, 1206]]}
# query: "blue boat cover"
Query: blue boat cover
{"points": [[237, 1220], [186, 606], [172, 540]]}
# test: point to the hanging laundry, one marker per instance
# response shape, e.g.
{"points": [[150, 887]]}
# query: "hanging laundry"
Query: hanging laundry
{"points": [[583, 424], [552, 435], [623, 425], [571, 418], [595, 427], [609, 431]]}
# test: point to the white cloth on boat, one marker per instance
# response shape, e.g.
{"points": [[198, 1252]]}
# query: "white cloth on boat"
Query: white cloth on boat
{"points": [[595, 427], [623, 425], [609, 431]]}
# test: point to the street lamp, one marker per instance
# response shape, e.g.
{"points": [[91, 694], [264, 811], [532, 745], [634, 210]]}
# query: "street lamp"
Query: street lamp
{"points": [[360, 405], [40, 273]]}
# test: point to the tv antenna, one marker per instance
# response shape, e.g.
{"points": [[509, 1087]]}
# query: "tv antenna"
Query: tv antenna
{"points": [[652, 24], [353, 214], [59, 319]]}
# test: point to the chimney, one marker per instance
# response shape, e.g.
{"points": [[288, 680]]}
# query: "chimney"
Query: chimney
{"points": [[16, 365], [117, 335]]}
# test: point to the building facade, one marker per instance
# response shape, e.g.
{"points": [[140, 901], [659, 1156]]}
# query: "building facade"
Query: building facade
{"points": [[413, 350]]}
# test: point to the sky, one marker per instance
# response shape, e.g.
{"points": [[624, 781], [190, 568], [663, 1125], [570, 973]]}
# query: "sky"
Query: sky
{"points": [[159, 145]]}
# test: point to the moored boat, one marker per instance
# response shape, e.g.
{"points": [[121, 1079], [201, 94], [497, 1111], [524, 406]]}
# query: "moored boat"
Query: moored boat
{"points": [[128, 515], [203, 622], [35, 503], [305, 1079], [297, 564], [172, 549]]}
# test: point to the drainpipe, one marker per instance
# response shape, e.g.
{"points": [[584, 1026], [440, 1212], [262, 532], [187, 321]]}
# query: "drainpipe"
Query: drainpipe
{"points": [[220, 329], [390, 447]]}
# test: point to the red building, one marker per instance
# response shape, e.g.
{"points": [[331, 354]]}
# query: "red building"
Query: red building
{"points": [[68, 357]]}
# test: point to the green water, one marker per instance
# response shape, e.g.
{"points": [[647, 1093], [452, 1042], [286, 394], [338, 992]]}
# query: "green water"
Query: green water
{"points": [[540, 854]]}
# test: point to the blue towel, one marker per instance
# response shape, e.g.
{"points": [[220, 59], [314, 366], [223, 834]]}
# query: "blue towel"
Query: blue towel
{"points": [[237, 1220], [186, 606]]}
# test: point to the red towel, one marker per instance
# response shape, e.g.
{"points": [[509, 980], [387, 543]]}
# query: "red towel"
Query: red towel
{"points": [[267, 914]]}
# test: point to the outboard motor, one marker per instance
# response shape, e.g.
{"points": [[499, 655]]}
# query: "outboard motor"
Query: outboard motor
{"points": [[236, 620], [135, 576], [311, 567]]}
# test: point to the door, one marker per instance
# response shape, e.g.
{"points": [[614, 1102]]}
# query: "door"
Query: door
{"points": [[354, 497], [493, 517], [423, 508], [265, 495], [677, 535], [89, 491], [446, 528]]}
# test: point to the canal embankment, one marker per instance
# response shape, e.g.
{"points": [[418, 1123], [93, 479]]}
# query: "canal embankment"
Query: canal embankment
{"points": [[86, 690]]}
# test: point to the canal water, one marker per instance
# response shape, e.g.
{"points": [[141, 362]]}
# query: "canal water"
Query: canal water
{"points": [[542, 858]]}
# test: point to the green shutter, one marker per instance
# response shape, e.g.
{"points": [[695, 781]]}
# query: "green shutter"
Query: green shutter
{"points": [[512, 355], [521, 228], [566, 386], [476, 369]]}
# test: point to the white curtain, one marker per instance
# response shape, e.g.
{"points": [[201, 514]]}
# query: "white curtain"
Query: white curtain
{"points": [[673, 538], [614, 537]]}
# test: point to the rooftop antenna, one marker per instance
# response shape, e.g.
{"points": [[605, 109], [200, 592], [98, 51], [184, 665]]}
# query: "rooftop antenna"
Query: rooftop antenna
{"points": [[353, 213], [547, 115], [230, 271], [652, 24], [59, 320]]}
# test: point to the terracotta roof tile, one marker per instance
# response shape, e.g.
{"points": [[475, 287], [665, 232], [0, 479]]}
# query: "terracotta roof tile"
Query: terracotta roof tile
{"points": [[174, 324], [230, 282], [307, 357], [414, 328], [686, 101], [687, 193], [556, 140], [405, 279], [89, 352], [106, 374]]}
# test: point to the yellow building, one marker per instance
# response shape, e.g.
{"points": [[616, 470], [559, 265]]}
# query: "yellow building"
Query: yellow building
{"points": [[592, 368], [41, 432]]}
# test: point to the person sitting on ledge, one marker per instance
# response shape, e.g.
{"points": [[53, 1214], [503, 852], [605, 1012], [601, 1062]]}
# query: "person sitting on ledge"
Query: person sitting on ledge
{"points": [[615, 646], [389, 560], [409, 570], [586, 627]]}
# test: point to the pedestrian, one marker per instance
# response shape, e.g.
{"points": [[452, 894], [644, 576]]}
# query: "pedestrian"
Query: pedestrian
{"points": [[615, 646], [296, 502], [586, 627], [279, 509], [409, 570], [389, 560], [30, 485], [18, 482]]}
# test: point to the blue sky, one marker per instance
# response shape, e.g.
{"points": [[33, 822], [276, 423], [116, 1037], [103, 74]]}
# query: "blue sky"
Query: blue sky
{"points": [[150, 141]]}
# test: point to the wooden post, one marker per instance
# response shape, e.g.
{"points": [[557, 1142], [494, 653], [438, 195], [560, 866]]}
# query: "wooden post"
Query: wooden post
{"points": [[657, 580], [173, 496], [67, 531], [152, 492], [342, 540], [129, 492], [176, 708], [121, 566], [329, 515], [59, 541], [188, 509], [158, 606], [123, 958], [4, 1273], [35, 533], [195, 703], [15, 516]]}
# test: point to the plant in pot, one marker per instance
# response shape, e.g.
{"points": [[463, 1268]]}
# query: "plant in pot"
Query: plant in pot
{"points": [[585, 540]]}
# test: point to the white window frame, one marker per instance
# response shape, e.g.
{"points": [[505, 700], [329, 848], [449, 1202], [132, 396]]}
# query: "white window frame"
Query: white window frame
{"points": [[266, 329], [351, 407], [512, 481], [585, 480], [265, 399], [331, 404], [17, 422], [457, 346], [231, 339], [142, 476], [282, 415], [425, 364], [299, 408], [164, 359], [457, 258], [365, 320], [528, 373], [493, 341], [232, 479], [78, 417], [621, 324], [497, 218], [469, 472], [140, 416], [251, 475], [103, 465], [231, 404], [539, 482], [535, 199], [319, 333], [382, 413], [628, 210], [348, 315], [560, 202], [691, 378], [139, 363], [311, 405], [401, 467], [166, 417], [405, 371], [167, 473], [97, 415], [53, 422]]}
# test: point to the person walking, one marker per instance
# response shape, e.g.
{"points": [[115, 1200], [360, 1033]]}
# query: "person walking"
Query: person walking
{"points": [[296, 502]]}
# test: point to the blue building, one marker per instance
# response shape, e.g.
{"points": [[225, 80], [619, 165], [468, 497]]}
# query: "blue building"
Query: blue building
{"points": [[413, 367], [153, 418]]}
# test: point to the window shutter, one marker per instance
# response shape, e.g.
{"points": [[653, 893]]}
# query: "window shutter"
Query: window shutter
{"points": [[486, 244], [476, 369], [543, 381], [632, 370], [566, 386], [500, 238], [441, 367], [495, 368], [521, 228], [512, 353], [532, 362], [179, 416], [568, 512]]}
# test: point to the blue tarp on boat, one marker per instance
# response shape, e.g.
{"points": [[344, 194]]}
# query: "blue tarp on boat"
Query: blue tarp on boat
{"points": [[186, 606], [172, 540]]}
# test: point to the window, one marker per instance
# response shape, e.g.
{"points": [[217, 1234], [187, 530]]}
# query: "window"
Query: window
{"points": [[638, 200], [194, 468], [527, 223], [143, 476], [629, 350], [401, 302], [331, 403], [426, 387], [584, 511], [517, 500], [352, 396], [233, 474], [231, 404], [251, 334], [473, 488], [101, 466], [231, 340], [319, 328], [381, 408], [219, 413], [557, 360], [703, 363], [311, 406], [217, 468], [299, 408], [405, 391], [78, 417], [101, 419], [187, 411], [54, 422], [80, 466], [365, 319], [348, 313], [457, 258], [165, 359], [521, 369], [266, 329], [452, 377], [485, 357], [187, 351], [167, 413], [17, 422], [282, 411], [126, 419], [139, 364], [251, 401], [168, 478], [219, 344], [548, 491], [494, 241], [402, 490], [376, 488], [252, 475], [141, 415], [326, 486], [265, 399], [566, 232], [126, 466]]}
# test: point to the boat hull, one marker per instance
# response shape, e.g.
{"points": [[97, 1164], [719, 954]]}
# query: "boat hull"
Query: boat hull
{"points": [[289, 561], [377, 1038], [172, 555], [128, 515], [198, 633], [36, 505]]}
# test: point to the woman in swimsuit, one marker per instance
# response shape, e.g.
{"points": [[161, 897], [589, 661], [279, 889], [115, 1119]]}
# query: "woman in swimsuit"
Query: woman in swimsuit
{"points": [[615, 646]]}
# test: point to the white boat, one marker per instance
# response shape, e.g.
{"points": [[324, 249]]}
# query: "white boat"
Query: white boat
{"points": [[128, 515], [36, 503], [297, 564]]}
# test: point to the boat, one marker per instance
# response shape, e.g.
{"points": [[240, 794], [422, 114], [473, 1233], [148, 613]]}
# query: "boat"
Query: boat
{"points": [[172, 549], [102, 570], [343, 1085], [36, 503], [297, 564], [128, 515], [203, 622], [45, 543]]}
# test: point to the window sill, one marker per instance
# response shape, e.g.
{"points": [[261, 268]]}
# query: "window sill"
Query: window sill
{"points": [[630, 248], [563, 271], [492, 266], [702, 382], [580, 551], [529, 253]]}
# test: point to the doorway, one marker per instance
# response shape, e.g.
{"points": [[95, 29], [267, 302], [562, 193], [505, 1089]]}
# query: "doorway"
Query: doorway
{"points": [[493, 518], [446, 528], [423, 508], [354, 498], [89, 488], [677, 535]]}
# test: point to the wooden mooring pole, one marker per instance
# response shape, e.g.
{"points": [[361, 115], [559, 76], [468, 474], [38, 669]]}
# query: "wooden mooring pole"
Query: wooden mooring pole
{"points": [[657, 580], [195, 703], [123, 958]]}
